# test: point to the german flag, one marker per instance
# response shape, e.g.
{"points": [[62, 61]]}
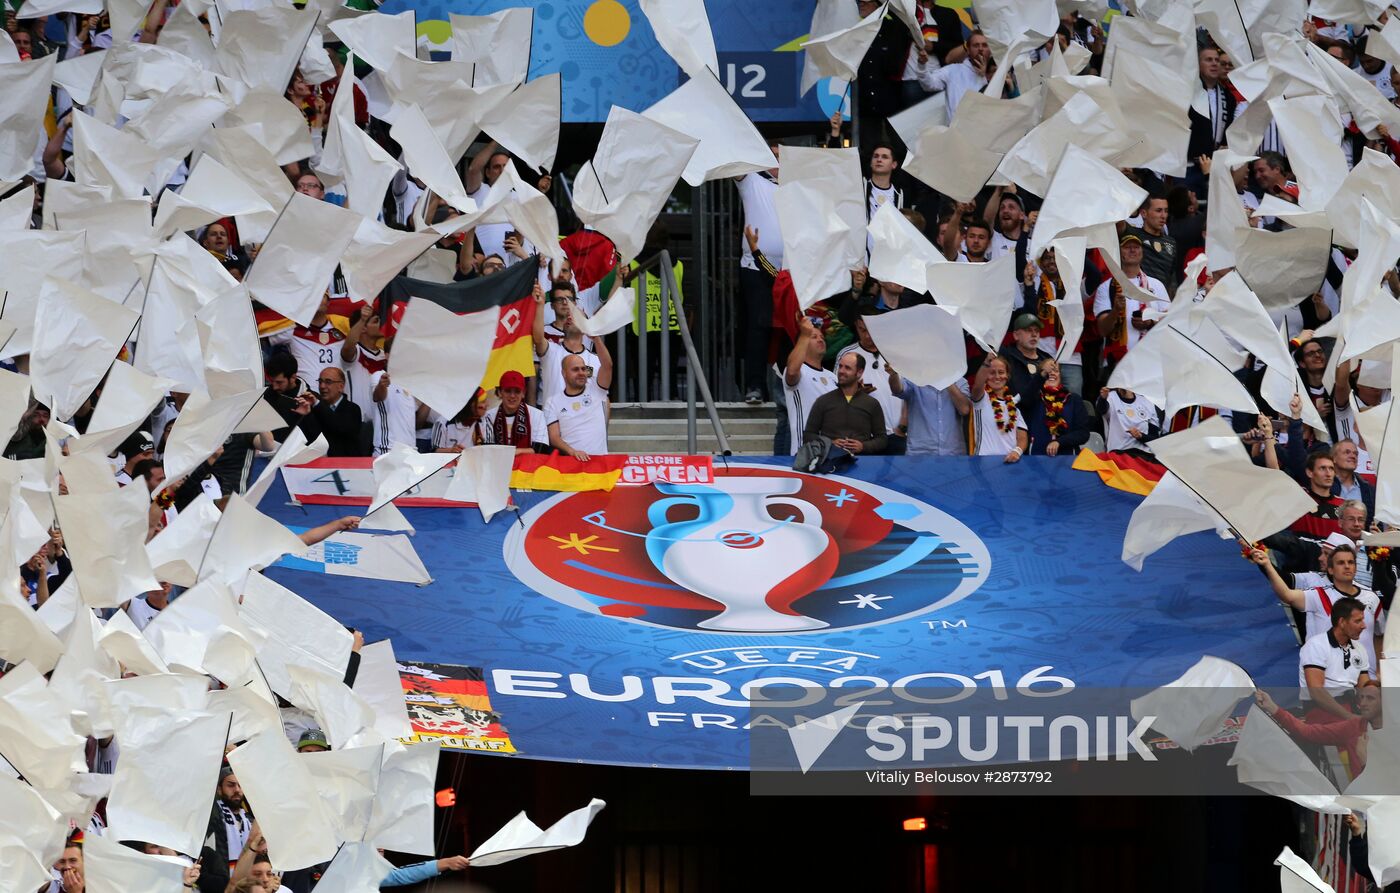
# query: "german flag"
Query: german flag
{"points": [[535, 471], [338, 313], [1122, 471], [509, 291]]}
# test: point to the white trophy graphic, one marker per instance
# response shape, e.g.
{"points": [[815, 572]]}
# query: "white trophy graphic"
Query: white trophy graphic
{"points": [[737, 551]]}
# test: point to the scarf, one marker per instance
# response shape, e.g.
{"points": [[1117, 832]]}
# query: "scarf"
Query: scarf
{"points": [[1003, 409], [236, 827], [1049, 319], [519, 433], [1054, 402]]}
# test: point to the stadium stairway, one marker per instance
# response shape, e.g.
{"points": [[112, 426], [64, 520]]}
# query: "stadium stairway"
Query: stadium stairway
{"points": [[660, 428]]}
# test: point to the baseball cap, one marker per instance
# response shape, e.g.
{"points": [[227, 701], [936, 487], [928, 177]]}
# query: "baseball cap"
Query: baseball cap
{"points": [[1129, 236], [313, 737], [1025, 321], [140, 442], [225, 772], [512, 379]]}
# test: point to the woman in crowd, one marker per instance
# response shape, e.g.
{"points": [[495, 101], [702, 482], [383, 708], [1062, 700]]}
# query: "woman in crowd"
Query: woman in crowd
{"points": [[1058, 423], [996, 425]]}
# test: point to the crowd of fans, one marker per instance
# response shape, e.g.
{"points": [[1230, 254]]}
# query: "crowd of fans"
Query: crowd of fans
{"points": [[330, 378], [1036, 395]]}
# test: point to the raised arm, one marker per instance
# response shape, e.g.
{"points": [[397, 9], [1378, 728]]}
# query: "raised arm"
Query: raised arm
{"points": [[605, 363], [792, 374], [1294, 598], [350, 347], [989, 210], [54, 166], [896, 381], [952, 235], [476, 171], [1341, 391], [979, 381], [537, 331]]}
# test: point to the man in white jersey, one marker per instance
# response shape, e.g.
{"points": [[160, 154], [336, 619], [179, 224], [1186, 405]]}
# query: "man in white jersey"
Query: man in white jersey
{"points": [[485, 168], [315, 346], [363, 355], [396, 414], [578, 415], [551, 354], [757, 191], [1317, 602], [804, 379], [1330, 665], [1120, 319]]}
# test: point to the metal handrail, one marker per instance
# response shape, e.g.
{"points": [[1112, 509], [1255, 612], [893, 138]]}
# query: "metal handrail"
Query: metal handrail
{"points": [[661, 266], [696, 375]]}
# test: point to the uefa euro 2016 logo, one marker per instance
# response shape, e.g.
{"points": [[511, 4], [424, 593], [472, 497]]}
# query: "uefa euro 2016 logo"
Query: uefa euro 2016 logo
{"points": [[760, 550]]}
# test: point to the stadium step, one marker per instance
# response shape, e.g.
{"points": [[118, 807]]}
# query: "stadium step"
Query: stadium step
{"points": [[661, 428]]}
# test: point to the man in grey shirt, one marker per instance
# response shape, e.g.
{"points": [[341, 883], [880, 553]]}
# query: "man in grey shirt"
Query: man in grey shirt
{"points": [[936, 426]]}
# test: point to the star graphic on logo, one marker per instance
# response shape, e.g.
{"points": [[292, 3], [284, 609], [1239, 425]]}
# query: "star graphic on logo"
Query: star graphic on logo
{"points": [[582, 545], [840, 499], [867, 601]]}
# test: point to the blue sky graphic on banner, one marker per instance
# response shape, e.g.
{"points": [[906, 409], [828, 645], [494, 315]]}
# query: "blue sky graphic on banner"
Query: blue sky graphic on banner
{"points": [[606, 53], [627, 627]]}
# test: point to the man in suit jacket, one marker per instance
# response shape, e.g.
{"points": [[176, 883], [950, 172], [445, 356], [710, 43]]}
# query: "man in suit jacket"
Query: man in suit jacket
{"points": [[333, 415]]}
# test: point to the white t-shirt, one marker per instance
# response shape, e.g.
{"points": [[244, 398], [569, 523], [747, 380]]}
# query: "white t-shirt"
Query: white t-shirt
{"points": [[141, 612], [1000, 245], [1123, 415], [314, 349], [552, 369], [358, 374], [449, 435], [1103, 302], [811, 384], [1381, 79], [394, 417], [539, 429], [953, 80], [991, 440], [1341, 667], [582, 418], [1347, 429], [879, 196], [492, 236], [757, 191], [1319, 612], [877, 375]]}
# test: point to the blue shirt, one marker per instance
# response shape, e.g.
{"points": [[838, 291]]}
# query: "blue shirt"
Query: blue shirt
{"points": [[411, 874], [935, 427]]}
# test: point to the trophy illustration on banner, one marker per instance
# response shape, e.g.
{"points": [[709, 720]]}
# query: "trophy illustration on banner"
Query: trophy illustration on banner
{"points": [[741, 553]]}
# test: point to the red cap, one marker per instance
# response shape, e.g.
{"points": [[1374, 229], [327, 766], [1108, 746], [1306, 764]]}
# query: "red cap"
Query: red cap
{"points": [[512, 379]]}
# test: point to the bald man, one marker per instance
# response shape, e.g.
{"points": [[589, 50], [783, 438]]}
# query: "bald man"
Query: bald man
{"points": [[578, 416]]}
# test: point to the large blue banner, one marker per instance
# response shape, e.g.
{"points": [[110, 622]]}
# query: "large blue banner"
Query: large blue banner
{"points": [[606, 53], [631, 626]]}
